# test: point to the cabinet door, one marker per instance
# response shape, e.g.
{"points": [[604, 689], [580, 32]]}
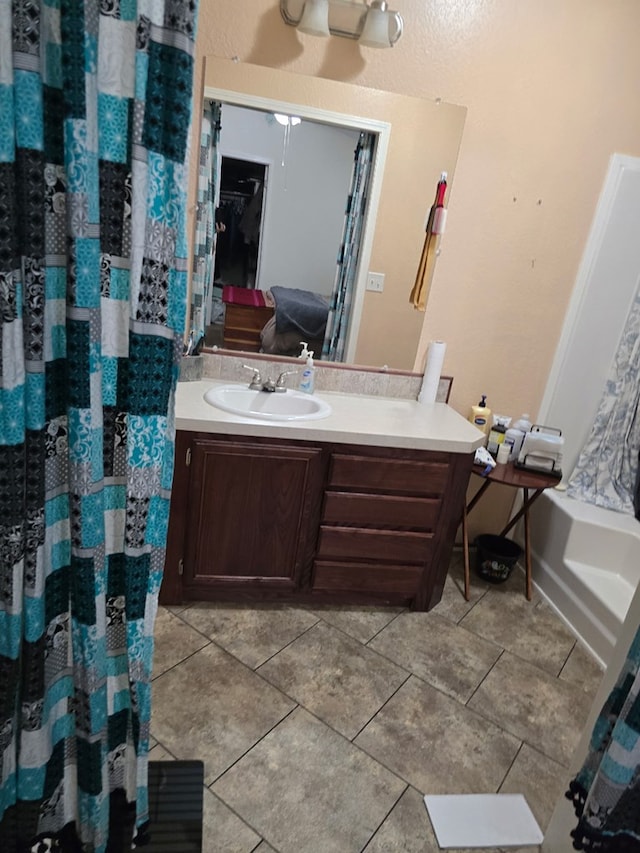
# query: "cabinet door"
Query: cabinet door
{"points": [[252, 516]]}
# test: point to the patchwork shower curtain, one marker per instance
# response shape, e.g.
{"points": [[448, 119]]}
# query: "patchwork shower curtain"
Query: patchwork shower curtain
{"points": [[95, 107], [205, 236], [335, 339], [606, 791]]}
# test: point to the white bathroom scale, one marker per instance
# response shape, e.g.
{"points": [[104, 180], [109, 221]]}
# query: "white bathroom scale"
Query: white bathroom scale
{"points": [[482, 820]]}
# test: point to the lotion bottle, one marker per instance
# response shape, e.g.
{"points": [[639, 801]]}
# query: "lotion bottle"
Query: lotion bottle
{"points": [[480, 415], [307, 381]]}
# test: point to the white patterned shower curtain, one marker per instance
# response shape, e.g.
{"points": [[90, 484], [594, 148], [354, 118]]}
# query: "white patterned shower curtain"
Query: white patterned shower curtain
{"points": [[607, 469]]}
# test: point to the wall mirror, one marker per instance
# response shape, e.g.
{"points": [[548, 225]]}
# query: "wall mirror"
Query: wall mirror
{"points": [[416, 140]]}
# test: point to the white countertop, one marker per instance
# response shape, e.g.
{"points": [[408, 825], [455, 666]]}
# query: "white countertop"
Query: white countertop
{"points": [[355, 419]]}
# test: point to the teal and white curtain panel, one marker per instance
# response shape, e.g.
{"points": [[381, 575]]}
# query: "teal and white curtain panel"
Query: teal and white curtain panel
{"points": [[606, 473], [95, 110], [205, 234], [335, 339], [606, 791]]}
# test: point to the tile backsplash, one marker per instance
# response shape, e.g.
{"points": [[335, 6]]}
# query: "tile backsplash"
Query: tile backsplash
{"points": [[334, 377]]}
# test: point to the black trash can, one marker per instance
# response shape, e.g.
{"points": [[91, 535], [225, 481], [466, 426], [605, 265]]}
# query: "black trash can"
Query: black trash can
{"points": [[495, 557]]}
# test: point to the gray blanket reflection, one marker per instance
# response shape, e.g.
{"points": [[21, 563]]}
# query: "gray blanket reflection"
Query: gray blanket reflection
{"points": [[300, 311]]}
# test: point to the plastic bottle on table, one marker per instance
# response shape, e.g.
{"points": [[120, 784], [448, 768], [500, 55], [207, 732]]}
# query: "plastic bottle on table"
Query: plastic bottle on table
{"points": [[515, 435]]}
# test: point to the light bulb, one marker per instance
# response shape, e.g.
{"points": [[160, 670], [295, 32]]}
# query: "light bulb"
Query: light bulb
{"points": [[315, 18]]}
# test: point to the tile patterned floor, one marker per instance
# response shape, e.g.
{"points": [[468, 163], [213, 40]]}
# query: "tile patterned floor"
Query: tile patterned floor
{"points": [[322, 728]]}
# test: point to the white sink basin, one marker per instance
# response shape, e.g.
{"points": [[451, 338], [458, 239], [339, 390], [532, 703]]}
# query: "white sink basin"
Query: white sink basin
{"points": [[267, 406]]}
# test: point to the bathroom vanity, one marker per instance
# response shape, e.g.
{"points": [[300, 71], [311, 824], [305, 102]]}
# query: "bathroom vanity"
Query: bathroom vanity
{"points": [[361, 507]]}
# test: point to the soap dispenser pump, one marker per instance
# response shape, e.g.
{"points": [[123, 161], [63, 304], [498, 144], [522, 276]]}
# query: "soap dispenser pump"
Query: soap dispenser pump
{"points": [[307, 382]]}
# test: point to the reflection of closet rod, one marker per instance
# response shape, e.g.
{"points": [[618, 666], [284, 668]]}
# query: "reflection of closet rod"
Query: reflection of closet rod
{"points": [[234, 194]]}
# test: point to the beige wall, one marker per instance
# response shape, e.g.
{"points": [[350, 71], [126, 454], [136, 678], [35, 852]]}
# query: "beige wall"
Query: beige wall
{"points": [[551, 93]]}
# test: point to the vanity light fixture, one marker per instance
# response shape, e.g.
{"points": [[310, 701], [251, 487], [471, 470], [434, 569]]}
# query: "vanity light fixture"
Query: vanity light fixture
{"points": [[371, 23], [285, 120], [315, 18]]}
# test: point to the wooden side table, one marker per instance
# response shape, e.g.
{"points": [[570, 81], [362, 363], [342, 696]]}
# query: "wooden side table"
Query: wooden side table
{"points": [[517, 478], [244, 318]]}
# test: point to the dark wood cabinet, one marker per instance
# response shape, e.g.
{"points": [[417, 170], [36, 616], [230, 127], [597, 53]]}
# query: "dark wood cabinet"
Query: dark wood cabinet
{"points": [[260, 518], [251, 517]]}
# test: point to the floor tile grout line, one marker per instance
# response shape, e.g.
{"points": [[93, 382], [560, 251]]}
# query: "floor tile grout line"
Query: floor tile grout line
{"points": [[158, 743], [253, 745], [384, 628], [240, 818], [484, 678], [213, 794], [380, 825], [180, 662], [189, 625], [366, 643], [363, 643], [217, 642], [360, 749], [515, 758], [566, 660], [341, 735], [287, 644], [384, 704], [501, 726], [389, 660], [513, 734]]}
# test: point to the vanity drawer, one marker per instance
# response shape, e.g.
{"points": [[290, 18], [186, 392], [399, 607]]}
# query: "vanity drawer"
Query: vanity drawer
{"points": [[395, 582], [389, 475], [389, 546], [391, 511]]}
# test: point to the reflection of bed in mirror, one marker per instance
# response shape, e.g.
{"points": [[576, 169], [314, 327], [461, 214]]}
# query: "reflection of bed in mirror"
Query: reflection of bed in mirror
{"points": [[299, 315], [274, 321]]}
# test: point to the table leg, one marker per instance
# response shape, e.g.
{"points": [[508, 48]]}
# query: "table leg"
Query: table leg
{"points": [[465, 549], [524, 513], [527, 545]]}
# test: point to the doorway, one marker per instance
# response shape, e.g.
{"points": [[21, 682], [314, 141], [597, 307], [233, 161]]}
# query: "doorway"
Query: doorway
{"points": [[241, 211]]}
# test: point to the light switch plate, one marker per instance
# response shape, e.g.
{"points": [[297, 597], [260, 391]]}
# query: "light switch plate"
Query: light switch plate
{"points": [[375, 281]]}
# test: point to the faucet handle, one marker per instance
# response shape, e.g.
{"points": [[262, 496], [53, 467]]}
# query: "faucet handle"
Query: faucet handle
{"points": [[256, 379], [280, 386]]}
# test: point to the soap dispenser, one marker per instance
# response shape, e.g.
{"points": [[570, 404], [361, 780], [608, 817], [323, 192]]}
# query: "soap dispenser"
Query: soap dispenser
{"points": [[307, 381], [480, 415]]}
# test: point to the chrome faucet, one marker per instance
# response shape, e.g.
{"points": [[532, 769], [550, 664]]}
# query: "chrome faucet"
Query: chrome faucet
{"points": [[256, 379], [257, 383], [280, 386]]}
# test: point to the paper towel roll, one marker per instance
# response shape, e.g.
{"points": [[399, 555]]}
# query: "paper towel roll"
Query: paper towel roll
{"points": [[432, 371]]}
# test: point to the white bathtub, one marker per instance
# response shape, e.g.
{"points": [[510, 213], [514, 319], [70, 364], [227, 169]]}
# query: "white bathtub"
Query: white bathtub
{"points": [[586, 562]]}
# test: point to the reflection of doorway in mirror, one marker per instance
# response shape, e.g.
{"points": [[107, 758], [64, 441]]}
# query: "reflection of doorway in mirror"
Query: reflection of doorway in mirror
{"points": [[243, 186]]}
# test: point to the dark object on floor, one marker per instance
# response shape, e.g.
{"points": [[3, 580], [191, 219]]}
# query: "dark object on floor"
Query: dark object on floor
{"points": [[175, 807], [495, 557]]}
